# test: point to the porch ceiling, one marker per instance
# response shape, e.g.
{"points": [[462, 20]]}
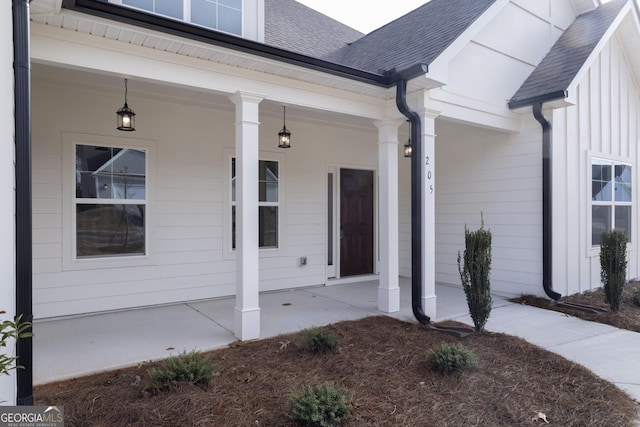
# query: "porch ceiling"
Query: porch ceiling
{"points": [[44, 12], [71, 77]]}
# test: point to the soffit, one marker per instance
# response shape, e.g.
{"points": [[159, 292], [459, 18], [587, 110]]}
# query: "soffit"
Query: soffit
{"points": [[132, 35]]}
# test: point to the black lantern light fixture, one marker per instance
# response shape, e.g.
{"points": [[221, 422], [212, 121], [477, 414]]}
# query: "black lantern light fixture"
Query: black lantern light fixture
{"points": [[126, 116], [284, 136], [407, 146]]}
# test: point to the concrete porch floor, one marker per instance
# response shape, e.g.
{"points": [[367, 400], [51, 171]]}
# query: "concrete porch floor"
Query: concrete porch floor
{"points": [[67, 348], [72, 347]]}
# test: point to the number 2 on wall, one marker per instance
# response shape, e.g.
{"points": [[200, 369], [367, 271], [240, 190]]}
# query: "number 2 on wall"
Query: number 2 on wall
{"points": [[429, 174]]}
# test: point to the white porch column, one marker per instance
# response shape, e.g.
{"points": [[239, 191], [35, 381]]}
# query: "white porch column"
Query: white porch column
{"points": [[429, 208], [247, 309], [388, 288], [8, 389]]}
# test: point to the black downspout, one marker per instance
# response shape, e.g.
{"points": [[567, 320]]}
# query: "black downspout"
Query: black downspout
{"points": [[22, 91], [416, 200], [547, 241]]}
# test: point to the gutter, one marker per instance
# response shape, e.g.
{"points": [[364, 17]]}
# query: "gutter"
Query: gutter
{"points": [[417, 214], [103, 9], [547, 184], [22, 102]]}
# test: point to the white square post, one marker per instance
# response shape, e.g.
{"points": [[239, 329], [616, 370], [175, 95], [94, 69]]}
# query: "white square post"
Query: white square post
{"points": [[247, 309], [429, 210], [388, 288]]}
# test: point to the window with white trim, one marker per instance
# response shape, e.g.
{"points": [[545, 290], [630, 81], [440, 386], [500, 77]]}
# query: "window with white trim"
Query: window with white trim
{"points": [[268, 203], [110, 201], [222, 15], [611, 198]]}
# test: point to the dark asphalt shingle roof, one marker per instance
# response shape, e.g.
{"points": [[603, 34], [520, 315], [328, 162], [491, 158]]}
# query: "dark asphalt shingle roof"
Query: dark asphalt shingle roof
{"points": [[567, 57], [417, 37], [295, 27]]}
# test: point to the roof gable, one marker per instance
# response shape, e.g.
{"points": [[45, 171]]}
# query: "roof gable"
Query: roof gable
{"points": [[418, 37], [551, 79]]}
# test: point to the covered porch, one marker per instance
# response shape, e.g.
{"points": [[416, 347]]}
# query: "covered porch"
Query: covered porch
{"points": [[75, 346]]}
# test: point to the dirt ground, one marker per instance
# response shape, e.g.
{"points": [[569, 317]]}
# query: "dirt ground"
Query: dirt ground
{"points": [[382, 360]]}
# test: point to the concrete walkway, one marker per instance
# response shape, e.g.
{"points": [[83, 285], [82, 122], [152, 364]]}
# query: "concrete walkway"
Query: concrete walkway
{"points": [[66, 348]]}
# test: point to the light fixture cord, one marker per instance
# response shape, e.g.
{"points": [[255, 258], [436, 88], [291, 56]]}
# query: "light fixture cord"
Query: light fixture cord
{"points": [[284, 116], [125, 91]]}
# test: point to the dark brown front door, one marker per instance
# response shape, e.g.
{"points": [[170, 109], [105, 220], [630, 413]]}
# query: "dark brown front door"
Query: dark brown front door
{"points": [[356, 222]]}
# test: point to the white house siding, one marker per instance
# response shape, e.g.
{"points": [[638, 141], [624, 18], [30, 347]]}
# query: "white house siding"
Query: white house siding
{"points": [[604, 123], [497, 175], [188, 210], [497, 172]]}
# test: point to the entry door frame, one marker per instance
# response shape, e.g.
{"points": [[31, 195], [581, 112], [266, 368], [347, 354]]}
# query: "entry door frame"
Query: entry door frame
{"points": [[332, 254]]}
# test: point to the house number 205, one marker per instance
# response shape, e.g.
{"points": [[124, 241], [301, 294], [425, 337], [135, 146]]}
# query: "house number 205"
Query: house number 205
{"points": [[429, 174]]}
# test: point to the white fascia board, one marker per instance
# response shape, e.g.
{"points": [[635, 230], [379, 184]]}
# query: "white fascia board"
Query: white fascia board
{"points": [[69, 49], [573, 87], [478, 113]]}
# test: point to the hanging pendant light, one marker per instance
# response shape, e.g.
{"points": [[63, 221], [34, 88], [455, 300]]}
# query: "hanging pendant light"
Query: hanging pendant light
{"points": [[407, 146], [284, 136], [126, 116]]}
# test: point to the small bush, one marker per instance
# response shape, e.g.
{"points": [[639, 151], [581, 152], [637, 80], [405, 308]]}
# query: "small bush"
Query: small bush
{"points": [[636, 296], [191, 368], [449, 358], [322, 405], [613, 266], [474, 267], [318, 340]]}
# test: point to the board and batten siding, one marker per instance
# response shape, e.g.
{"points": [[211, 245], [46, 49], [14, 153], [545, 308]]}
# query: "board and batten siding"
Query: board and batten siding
{"points": [[189, 203], [604, 123]]}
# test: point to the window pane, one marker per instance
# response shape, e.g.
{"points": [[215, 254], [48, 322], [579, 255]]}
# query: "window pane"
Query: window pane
{"points": [[623, 219], [172, 8], [229, 20], [233, 179], [203, 12], [267, 227], [236, 4], [268, 181], [233, 227], [600, 221], [601, 181], [268, 220], [110, 173], [622, 182], [103, 230], [141, 4]]}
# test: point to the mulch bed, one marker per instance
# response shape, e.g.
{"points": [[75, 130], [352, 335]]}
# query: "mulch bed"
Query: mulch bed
{"points": [[627, 317], [382, 360]]}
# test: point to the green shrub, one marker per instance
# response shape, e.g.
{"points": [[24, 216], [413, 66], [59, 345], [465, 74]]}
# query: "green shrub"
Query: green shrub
{"points": [[449, 358], [12, 330], [613, 266], [474, 268], [636, 296], [191, 368], [319, 340], [322, 405]]}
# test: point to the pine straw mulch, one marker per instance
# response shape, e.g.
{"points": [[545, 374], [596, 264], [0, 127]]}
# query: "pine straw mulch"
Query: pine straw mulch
{"points": [[382, 360], [628, 317]]}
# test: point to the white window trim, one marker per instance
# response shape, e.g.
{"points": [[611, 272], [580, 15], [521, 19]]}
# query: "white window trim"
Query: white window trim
{"points": [[229, 253], [186, 13], [594, 251], [69, 259]]}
